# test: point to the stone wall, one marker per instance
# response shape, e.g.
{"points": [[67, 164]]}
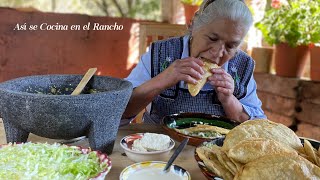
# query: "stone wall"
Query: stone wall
{"points": [[292, 102], [28, 52]]}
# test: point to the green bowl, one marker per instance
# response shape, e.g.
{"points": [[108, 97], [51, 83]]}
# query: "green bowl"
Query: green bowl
{"points": [[186, 120]]}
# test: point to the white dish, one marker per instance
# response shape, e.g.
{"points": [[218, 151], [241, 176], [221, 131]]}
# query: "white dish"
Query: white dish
{"points": [[138, 156], [153, 170]]}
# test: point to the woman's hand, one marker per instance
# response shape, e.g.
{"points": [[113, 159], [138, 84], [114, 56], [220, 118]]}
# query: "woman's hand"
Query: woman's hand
{"points": [[188, 70], [223, 83]]}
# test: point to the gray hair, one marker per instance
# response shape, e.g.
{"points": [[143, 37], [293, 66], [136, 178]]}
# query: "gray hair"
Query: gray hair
{"points": [[211, 10]]}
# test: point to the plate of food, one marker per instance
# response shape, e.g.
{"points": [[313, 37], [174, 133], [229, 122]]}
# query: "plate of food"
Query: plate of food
{"points": [[52, 161], [259, 149], [198, 127]]}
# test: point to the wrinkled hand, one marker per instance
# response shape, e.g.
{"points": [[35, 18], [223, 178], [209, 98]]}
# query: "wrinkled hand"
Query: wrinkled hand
{"points": [[188, 70], [223, 83]]}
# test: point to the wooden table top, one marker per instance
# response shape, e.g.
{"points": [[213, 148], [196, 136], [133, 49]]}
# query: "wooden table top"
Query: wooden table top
{"points": [[118, 158]]}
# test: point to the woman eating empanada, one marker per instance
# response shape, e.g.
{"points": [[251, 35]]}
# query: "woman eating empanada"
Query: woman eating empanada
{"points": [[163, 74]]}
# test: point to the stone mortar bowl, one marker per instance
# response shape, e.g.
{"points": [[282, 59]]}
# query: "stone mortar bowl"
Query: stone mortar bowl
{"points": [[31, 105]]}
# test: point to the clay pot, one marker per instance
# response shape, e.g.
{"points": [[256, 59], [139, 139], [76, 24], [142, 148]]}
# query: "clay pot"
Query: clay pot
{"points": [[189, 11], [290, 61], [315, 63]]}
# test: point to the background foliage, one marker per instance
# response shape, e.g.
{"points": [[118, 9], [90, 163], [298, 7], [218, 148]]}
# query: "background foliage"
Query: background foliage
{"points": [[137, 9], [296, 23], [192, 2]]}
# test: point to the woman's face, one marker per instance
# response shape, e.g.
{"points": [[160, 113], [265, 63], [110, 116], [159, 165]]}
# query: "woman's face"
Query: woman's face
{"points": [[217, 41]]}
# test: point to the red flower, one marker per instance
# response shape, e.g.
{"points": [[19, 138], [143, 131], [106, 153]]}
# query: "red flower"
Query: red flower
{"points": [[276, 4], [312, 45]]}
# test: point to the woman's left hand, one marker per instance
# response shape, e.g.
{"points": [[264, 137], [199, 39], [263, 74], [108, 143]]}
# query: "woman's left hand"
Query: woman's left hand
{"points": [[223, 83]]}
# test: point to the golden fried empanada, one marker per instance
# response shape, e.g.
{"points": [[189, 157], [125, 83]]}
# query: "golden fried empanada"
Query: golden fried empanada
{"points": [[254, 148], [279, 166], [194, 89], [262, 129]]}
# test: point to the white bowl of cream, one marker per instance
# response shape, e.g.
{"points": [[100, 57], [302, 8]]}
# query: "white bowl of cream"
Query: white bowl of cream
{"points": [[153, 170]]}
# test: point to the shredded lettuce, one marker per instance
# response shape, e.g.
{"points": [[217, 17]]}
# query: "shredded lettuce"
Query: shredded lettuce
{"points": [[48, 161]]}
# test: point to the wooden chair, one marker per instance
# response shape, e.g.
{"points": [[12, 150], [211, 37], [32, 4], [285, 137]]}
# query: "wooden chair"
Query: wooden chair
{"points": [[150, 32]]}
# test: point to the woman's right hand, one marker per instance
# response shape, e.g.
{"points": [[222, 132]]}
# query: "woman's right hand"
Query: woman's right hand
{"points": [[189, 70]]}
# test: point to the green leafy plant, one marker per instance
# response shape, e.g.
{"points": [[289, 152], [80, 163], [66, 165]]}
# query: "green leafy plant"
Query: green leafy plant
{"points": [[192, 2], [295, 22]]}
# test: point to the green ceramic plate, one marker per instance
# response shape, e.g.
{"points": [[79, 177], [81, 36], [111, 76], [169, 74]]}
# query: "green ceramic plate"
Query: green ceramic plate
{"points": [[186, 120]]}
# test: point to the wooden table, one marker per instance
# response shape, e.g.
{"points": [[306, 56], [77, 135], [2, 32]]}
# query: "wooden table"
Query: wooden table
{"points": [[118, 158]]}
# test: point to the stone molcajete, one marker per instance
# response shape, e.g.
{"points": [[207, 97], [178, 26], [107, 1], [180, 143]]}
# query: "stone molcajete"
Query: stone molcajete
{"points": [[42, 105]]}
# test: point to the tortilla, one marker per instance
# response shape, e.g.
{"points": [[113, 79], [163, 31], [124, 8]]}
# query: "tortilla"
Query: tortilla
{"points": [[223, 159], [261, 149], [262, 129], [212, 163], [279, 166], [204, 128], [238, 165], [311, 152], [194, 89], [203, 152], [251, 149], [229, 164]]}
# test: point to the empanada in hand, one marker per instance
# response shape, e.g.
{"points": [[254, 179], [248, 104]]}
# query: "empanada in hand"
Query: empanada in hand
{"points": [[194, 89]]}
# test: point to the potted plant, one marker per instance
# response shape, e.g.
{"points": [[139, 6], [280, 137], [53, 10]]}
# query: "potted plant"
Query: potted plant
{"points": [[291, 26], [190, 7]]}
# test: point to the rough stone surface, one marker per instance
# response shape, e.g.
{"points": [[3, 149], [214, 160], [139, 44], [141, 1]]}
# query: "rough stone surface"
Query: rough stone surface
{"points": [[278, 104], [309, 131], [310, 92], [64, 116], [278, 118], [282, 86], [310, 113], [290, 101]]}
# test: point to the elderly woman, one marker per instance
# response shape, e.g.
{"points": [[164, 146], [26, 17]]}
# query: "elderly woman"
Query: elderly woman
{"points": [[216, 33]]}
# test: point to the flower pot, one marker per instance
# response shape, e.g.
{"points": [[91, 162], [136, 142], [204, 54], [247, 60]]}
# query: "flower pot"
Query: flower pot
{"points": [[315, 63], [189, 11], [263, 58], [290, 61]]}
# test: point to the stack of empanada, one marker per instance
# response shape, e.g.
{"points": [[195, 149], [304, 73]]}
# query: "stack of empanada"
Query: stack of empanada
{"points": [[261, 149]]}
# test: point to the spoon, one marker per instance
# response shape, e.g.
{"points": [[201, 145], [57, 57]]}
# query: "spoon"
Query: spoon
{"points": [[175, 154], [84, 81], [77, 91]]}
